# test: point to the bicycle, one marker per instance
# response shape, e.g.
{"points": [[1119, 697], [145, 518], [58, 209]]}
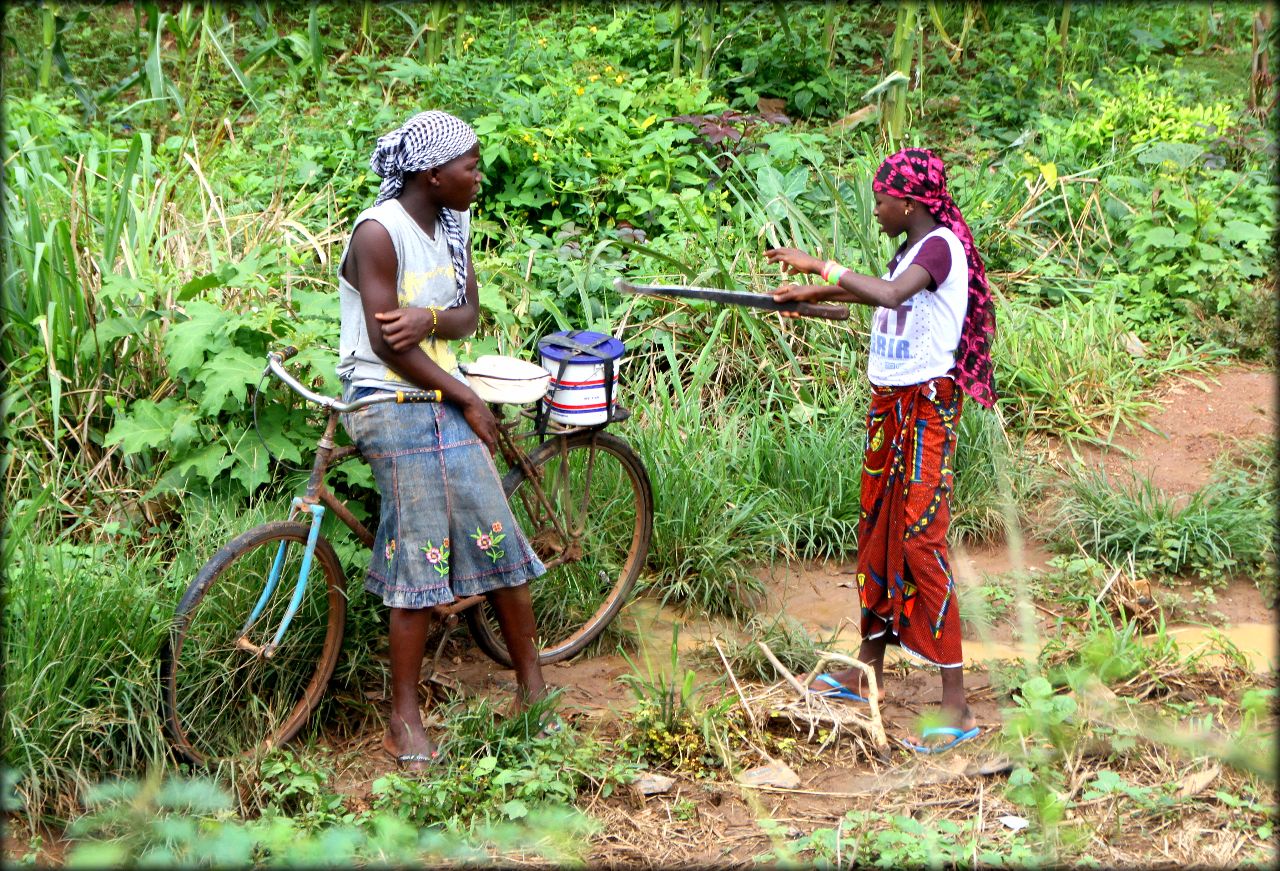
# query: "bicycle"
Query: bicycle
{"points": [[247, 659]]}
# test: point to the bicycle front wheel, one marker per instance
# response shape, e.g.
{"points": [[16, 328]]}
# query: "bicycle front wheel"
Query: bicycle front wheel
{"points": [[226, 691], [589, 517]]}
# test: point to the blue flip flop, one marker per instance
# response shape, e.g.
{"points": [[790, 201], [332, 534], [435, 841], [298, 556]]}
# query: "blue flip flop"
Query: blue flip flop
{"points": [[958, 736], [837, 691]]}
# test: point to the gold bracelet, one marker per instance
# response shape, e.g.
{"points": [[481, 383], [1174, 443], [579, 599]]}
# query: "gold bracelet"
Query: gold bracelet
{"points": [[435, 319]]}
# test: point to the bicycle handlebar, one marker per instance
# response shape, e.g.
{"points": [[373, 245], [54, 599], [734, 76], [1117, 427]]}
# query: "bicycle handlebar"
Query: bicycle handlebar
{"points": [[275, 365]]}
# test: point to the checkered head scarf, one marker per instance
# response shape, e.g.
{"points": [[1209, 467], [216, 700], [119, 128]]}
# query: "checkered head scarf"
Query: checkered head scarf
{"points": [[918, 174], [425, 141]]}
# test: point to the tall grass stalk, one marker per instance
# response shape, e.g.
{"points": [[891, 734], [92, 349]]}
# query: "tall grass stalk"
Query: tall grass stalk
{"points": [[702, 551], [1067, 370], [1218, 531]]}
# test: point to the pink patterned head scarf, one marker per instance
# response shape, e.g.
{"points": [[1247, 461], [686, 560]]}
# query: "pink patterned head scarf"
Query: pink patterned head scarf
{"points": [[918, 174]]}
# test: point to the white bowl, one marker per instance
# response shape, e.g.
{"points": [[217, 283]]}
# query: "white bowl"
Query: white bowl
{"points": [[508, 380]]}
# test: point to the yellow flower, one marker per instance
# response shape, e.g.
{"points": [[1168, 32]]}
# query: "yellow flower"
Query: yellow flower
{"points": [[581, 90], [588, 154], [608, 69], [594, 28], [619, 78], [537, 156], [593, 77], [543, 42]]}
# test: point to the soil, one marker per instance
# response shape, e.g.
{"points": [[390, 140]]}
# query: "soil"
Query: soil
{"points": [[713, 822], [1200, 419]]}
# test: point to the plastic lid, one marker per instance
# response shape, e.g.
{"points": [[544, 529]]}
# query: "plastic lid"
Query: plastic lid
{"points": [[605, 347]]}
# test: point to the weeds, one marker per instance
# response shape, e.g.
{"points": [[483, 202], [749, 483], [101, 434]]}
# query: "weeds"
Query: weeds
{"points": [[187, 822], [671, 727], [501, 769], [786, 637], [1219, 531]]}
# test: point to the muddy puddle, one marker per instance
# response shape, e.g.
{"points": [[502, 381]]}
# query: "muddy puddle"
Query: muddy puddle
{"points": [[823, 599]]}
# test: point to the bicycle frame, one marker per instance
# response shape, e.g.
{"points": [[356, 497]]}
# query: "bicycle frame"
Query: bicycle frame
{"points": [[318, 498]]}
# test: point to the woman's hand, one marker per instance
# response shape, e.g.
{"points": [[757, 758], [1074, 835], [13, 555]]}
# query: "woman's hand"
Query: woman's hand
{"points": [[405, 328], [799, 293], [795, 261], [482, 422]]}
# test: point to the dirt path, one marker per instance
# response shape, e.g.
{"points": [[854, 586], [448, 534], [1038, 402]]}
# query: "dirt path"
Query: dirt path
{"points": [[714, 822]]}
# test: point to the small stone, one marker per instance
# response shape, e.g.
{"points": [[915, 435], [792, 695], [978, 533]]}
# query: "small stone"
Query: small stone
{"points": [[654, 784], [1015, 823], [776, 773]]}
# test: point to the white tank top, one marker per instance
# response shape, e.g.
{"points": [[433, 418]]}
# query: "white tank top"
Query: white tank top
{"points": [[917, 340], [424, 277]]}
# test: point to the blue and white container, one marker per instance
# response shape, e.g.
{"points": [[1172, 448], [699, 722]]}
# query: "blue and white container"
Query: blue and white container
{"points": [[576, 395]]}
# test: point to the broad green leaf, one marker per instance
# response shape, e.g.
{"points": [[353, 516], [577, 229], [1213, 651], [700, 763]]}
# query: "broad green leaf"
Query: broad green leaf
{"points": [[208, 463], [1181, 154], [146, 425], [204, 282], [355, 474], [514, 809], [229, 373], [185, 429], [204, 332], [1160, 237], [251, 463], [1243, 231]]}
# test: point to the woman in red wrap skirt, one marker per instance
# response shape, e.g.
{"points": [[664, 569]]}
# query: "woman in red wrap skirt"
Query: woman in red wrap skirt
{"points": [[930, 340]]}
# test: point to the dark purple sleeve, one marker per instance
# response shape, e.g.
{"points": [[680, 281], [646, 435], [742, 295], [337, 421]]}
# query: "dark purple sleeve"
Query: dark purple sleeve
{"points": [[935, 256]]}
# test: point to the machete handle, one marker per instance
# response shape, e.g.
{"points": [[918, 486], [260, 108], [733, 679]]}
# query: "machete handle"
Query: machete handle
{"points": [[817, 310]]}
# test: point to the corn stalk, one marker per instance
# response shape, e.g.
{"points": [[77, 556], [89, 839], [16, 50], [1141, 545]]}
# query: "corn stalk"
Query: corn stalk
{"points": [[677, 38], [438, 15], [1260, 76], [905, 37], [957, 46], [829, 30], [1064, 24], [707, 37]]}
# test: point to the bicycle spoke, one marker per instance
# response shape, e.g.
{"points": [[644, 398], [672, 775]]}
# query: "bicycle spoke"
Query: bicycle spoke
{"points": [[599, 507], [223, 700]]}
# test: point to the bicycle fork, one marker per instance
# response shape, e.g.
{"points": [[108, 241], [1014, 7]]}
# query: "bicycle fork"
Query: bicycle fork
{"points": [[265, 651]]}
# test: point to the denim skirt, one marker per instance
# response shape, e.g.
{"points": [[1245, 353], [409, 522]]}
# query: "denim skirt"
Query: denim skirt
{"points": [[445, 530]]}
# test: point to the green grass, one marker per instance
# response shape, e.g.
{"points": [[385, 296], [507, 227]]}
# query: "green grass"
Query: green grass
{"points": [[1225, 528], [1066, 370], [221, 163]]}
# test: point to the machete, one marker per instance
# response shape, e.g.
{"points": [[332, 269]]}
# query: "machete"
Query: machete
{"points": [[753, 300]]}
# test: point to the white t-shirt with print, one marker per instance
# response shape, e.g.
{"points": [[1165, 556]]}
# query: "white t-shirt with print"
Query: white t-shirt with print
{"points": [[917, 340]]}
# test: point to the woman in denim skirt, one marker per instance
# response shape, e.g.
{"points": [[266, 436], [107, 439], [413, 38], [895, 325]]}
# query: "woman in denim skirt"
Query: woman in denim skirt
{"points": [[407, 288]]}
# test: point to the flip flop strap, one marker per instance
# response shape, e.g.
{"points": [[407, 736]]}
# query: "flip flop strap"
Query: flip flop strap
{"points": [[418, 757]]}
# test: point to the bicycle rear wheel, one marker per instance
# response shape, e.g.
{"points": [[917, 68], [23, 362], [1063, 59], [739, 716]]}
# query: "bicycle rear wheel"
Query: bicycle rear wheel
{"points": [[222, 696], [592, 532]]}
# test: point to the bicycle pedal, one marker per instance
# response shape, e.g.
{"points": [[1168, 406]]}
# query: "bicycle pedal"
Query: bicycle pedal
{"points": [[619, 414]]}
